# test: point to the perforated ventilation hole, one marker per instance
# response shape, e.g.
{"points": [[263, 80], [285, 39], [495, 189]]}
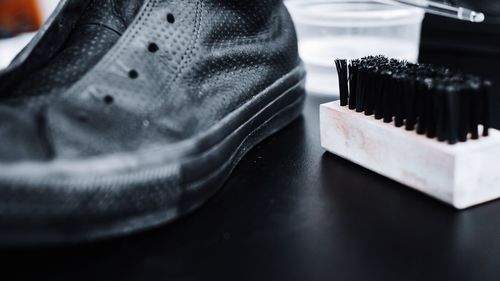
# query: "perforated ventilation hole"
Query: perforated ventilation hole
{"points": [[153, 48], [133, 74], [170, 18], [108, 99]]}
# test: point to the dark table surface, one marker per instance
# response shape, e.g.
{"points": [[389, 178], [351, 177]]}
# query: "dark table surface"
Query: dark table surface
{"points": [[290, 211]]}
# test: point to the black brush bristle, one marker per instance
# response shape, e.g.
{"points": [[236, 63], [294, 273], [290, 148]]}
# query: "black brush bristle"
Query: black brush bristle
{"points": [[451, 109], [399, 82], [380, 89], [485, 97], [360, 87], [343, 81], [353, 80], [431, 100]]}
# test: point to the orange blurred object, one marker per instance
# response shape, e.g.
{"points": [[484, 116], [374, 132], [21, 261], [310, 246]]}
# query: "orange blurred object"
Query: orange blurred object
{"points": [[17, 16]]}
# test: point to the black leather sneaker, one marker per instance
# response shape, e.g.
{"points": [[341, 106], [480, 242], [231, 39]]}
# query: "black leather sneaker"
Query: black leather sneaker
{"points": [[155, 127]]}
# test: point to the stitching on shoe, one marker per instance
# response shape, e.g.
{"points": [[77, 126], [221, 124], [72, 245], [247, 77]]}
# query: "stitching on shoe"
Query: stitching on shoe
{"points": [[139, 23], [187, 56], [122, 46], [104, 26], [118, 50]]}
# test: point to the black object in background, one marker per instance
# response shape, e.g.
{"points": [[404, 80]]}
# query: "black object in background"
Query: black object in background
{"points": [[470, 47]]}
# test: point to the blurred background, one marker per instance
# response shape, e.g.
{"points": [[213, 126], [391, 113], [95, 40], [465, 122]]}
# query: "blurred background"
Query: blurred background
{"points": [[19, 19], [330, 29]]}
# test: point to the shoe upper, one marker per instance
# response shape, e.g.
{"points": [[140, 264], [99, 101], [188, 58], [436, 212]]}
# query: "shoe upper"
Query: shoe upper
{"points": [[93, 34], [177, 70]]}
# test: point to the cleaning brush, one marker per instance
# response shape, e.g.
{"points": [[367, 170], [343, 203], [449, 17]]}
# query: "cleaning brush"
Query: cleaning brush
{"points": [[437, 102], [425, 126]]}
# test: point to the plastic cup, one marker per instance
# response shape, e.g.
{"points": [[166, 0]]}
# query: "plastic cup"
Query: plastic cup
{"points": [[330, 29]]}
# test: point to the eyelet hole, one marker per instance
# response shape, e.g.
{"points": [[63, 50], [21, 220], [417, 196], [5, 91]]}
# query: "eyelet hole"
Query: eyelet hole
{"points": [[153, 48], [133, 74], [170, 18], [108, 100]]}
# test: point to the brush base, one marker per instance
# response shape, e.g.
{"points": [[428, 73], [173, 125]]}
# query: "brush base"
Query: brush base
{"points": [[462, 175]]}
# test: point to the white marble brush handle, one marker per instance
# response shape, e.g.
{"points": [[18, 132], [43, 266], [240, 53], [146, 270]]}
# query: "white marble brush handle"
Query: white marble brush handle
{"points": [[462, 175]]}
